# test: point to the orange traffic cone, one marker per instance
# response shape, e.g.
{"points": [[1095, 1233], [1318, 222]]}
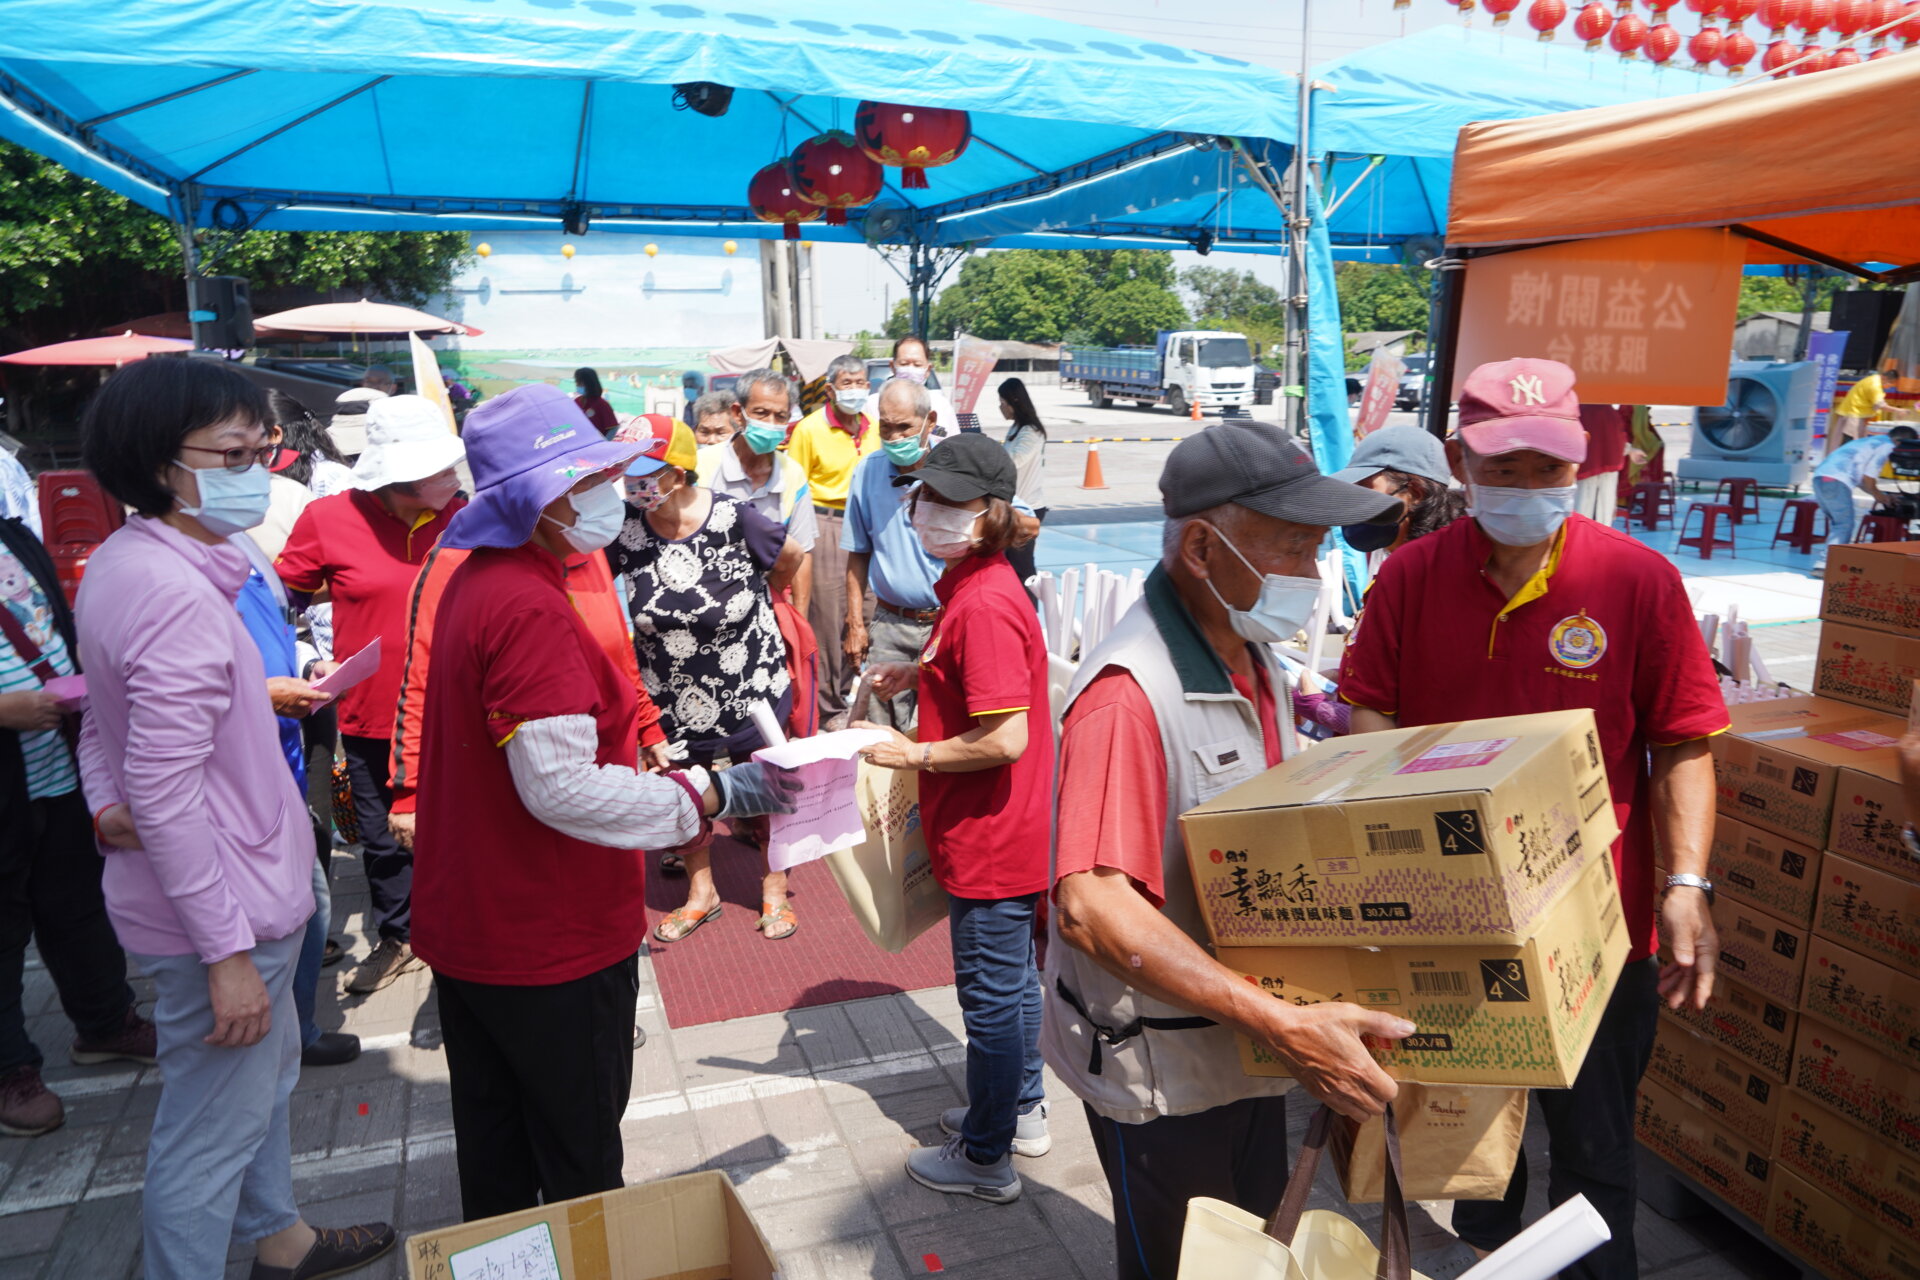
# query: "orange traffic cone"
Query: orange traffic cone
{"points": [[1094, 477], [1195, 412]]}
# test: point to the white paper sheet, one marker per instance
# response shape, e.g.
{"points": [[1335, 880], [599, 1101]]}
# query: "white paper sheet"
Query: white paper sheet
{"points": [[351, 672], [828, 816], [526, 1254]]}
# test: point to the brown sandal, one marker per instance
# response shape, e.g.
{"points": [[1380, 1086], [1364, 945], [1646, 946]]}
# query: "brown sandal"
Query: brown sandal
{"points": [[774, 918], [680, 922]]}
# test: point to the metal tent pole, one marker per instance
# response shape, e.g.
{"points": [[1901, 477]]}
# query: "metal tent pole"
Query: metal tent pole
{"points": [[1297, 223]]}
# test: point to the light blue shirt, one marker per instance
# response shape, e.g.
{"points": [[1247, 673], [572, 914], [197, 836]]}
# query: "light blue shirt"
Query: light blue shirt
{"points": [[899, 569], [1855, 461]]}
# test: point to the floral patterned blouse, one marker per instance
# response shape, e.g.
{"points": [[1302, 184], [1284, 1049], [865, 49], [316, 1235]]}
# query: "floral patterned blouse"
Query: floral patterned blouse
{"points": [[703, 625]]}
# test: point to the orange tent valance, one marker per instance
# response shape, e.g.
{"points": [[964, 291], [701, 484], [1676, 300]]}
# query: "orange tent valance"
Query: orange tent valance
{"points": [[1827, 162]]}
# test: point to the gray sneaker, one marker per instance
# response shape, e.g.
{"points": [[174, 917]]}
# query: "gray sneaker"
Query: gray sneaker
{"points": [[947, 1168], [1030, 1136]]}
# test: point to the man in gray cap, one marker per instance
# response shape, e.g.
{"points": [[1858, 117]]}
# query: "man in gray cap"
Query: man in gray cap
{"points": [[1181, 702]]}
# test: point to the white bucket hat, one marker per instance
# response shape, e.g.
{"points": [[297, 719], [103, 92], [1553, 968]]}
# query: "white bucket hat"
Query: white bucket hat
{"points": [[407, 440]]}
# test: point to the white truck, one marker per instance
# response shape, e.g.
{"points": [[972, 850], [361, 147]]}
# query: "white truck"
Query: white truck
{"points": [[1208, 367]]}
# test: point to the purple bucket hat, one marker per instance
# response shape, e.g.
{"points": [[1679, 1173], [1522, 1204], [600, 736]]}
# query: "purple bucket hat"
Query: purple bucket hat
{"points": [[526, 447]]}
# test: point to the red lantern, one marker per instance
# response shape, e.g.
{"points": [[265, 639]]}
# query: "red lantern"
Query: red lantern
{"points": [[1544, 15], [1737, 11], [1629, 34], [1817, 59], [774, 198], [912, 139], [1909, 31], [1502, 10], [1705, 8], [1704, 47], [1592, 24], [1879, 14], [1778, 15], [831, 170], [1849, 16], [1845, 56], [1736, 51], [1815, 16], [1662, 43], [1778, 55]]}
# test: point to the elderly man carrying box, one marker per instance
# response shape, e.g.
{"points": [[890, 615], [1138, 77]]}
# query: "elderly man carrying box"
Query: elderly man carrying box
{"points": [[1180, 703]]}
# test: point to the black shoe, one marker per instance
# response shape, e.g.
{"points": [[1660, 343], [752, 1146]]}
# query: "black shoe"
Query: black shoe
{"points": [[333, 954], [332, 1049], [336, 1251]]}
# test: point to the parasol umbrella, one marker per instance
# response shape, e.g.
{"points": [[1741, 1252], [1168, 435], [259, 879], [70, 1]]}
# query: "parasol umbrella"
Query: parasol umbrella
{"points": [[360, 317], [114, 351]]}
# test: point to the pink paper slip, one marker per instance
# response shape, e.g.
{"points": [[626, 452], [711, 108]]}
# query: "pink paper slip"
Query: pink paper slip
{"points": [[351, 672], [70, 690]]}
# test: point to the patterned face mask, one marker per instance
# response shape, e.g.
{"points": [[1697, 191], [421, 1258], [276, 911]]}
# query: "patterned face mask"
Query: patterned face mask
{"points": [[645, 494]]}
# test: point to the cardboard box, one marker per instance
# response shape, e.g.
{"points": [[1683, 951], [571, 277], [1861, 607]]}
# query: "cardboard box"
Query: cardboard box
{"points": [[1745, 1023], [1872, 668], [1870, 911], [1836, 1240], [1713, 1155], [1874, 584], [1868, 813], [1444, 835], [1764, 870], [1875, 1092], [1863, 998], [676, 1229], [1486, 1014], [1716, 1081], [1851, 1165], [1778, 766], [1760, 952]]}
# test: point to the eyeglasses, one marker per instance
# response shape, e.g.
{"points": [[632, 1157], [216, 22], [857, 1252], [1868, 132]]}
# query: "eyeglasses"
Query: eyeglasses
{"points": [[241, 459]]}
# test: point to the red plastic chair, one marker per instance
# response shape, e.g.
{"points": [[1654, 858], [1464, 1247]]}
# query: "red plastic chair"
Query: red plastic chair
{"points": [[1742, 494], [1881, 529], [77, 515], [1650, 502], [1705, 541], [1800, 535]]}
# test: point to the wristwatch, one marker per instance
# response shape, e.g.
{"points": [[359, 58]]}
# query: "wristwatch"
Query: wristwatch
{"points": [[1684, 881]]}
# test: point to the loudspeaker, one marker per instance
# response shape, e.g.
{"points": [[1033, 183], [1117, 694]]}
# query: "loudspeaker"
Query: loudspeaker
{"points": [[231, 329], [1866, 316]]}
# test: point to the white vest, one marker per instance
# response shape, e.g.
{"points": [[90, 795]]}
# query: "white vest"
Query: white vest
{"points": [[1212, 741]]}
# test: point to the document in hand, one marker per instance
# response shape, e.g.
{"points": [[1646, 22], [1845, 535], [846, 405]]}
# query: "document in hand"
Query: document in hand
{"points": [[828, 817], [360, 666]]}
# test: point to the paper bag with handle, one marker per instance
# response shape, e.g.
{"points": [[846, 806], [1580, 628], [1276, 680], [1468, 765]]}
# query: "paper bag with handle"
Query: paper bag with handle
{"points": [[1460, 1144], [1225, 1242], [888, 878]]}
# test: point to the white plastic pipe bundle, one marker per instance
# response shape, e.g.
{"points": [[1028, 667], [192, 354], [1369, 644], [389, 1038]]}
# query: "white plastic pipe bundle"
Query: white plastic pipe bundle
{"points": [[1081, 608]]}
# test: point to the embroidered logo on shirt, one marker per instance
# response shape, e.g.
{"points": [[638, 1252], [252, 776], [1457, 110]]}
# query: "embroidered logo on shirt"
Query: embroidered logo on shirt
{"points": [[1577, 642]]}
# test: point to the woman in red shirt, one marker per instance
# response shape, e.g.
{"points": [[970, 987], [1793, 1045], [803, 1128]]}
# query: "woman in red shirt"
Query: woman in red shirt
{"points": [[986, 748], [593, 402]]}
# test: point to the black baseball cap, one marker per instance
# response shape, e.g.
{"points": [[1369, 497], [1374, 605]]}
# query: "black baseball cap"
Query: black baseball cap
{"points": [[968, 466], [1257, 466]]}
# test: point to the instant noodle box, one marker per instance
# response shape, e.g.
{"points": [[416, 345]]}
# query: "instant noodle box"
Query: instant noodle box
{"points": [[1865, 998], [1716, 1081], [1868, 1088], [1484, 1014], [1873, 668], [1831, 1236], [1761, 869], [1745, 1023], [1697, 1144], [1437, 836], [1778, 767], [1874, 584], [1850, 1164], [1870, 911]]}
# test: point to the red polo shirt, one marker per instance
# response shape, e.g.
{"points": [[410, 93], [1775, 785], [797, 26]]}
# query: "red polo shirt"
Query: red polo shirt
{"points": [[1606, 625], [368, 559], [987, 831], [499, 896]]}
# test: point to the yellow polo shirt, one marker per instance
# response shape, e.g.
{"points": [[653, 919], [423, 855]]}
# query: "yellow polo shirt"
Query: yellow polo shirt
{"points": [[827, 455], [1859, 401]]}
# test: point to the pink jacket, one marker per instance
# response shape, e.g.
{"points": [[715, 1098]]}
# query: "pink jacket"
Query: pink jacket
{"points": [[179, 728]]}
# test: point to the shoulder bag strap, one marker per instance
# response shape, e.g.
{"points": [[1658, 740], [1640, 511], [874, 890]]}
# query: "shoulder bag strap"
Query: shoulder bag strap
{"points": [[1396, 1253]]}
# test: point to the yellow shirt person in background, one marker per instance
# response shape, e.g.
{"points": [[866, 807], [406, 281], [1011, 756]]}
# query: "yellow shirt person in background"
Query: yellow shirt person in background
{"points": [[1865, 401]]}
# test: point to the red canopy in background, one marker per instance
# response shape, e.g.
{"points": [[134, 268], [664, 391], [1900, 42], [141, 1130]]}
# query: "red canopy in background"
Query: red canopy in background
{"points": [[116, 351]]}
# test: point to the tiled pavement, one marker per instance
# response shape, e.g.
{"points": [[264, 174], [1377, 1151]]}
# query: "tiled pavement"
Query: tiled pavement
{"points": [[811, 1113]]}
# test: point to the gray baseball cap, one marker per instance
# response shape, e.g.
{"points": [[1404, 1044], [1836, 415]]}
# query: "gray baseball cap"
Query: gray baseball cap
{"points": [[1255, 465], [1404, 448]]}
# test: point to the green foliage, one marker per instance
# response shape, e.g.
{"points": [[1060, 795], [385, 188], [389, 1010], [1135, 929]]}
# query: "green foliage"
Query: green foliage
{"points": [[1781, 293], [74, 257], [1376, 297], [899, 321], [1223, 292], [1106, 297]]}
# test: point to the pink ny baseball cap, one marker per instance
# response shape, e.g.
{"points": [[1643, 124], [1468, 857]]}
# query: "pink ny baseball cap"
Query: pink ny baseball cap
{"points": [[1522, 404]]}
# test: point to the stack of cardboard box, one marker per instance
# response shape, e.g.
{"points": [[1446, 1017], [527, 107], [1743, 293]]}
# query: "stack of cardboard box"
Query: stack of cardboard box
{"points": [[1796, 1095], [1870, 625], [1456, 875]]}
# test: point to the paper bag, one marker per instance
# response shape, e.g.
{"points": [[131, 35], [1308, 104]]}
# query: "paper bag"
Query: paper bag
{"points": [[888, 878], [1457, 1144]]}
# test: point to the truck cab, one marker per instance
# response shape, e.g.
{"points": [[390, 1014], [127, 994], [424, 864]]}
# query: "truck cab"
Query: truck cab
{"points": [[1211, 368]]}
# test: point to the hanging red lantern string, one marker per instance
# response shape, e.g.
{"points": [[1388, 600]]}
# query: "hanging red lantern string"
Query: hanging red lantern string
{"points": [[1704, 47], [1737, 12], [1502, 10], [1778, 55], [1816, 59], [831, 170], [1736, 51], [914, 139], [1849, 16], [1662, 43], [1629, 35], [1778, 15], [1815, 16], [1544, 15], [1592, 24], [774, 198]]}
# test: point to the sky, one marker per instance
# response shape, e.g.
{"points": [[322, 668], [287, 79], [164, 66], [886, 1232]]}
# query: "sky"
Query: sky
{"points": [[860, 288]]}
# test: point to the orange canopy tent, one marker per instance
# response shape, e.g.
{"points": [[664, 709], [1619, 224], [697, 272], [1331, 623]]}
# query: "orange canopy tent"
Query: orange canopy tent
{"points": [[1822, 168]]}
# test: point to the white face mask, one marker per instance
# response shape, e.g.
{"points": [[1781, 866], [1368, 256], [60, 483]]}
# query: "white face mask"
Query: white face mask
{"points": [[1520, 517], [946, 532], [598, 515], [1283, 606], [911, 372], [850, 399], [230, 501]]}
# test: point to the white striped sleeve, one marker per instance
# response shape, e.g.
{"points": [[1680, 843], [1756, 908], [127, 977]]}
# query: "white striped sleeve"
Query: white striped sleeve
{"points": [[552, 762]]}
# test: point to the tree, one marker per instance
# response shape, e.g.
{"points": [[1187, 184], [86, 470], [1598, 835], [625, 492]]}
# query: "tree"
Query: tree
{"points": [[75, 257], [1375, 297], [1038, 295], [1222, 293]]}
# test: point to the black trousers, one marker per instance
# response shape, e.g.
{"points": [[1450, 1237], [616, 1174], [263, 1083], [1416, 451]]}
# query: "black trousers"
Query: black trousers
{"points": [[1590, 1136], [50, 888], [1236, 1153], [389, 867], [319, 733], [539, 1078]]}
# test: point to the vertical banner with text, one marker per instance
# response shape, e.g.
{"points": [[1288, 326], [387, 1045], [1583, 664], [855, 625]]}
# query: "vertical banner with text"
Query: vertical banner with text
{"points": [[1384, 372], [973, 361], [1642, 319], [1824, 349]]}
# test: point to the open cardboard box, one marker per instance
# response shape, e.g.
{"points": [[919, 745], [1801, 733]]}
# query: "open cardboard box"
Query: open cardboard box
{"points": [[1779, 766]]}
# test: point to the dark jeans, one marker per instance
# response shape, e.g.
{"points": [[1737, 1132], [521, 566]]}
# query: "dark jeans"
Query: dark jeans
{"points": [[389, 867], [539, 1078], [1236, 1153], [1022, 557], [50, 889], [1590, 1136], [999, 991]]}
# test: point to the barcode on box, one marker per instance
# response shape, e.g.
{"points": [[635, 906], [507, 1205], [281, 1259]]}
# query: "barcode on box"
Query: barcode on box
{"points": [[1391, 841], [1750, 929], [1439, 983], [1723, 1070], [1906, 1179], [1771, 772]]}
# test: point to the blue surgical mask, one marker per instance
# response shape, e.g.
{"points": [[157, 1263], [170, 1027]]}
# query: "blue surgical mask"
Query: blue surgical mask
{"points": [[850, 399], [1283, 607], [1520, 517], [904, 453], [598, 515], [763, 437], [579, 390], [230, 501]]}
